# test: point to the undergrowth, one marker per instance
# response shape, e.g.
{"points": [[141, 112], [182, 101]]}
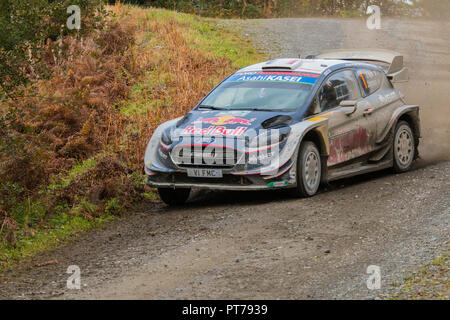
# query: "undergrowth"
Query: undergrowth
{"points": [[72, 145]]}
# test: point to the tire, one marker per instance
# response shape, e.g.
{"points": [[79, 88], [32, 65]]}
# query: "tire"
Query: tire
{"points": [[404, 147], [174, 197], [309, 170]]}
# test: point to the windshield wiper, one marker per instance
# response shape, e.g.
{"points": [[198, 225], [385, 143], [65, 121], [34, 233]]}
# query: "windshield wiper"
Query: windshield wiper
{"points": [[255, 109], [267, 110], [203, 106]]}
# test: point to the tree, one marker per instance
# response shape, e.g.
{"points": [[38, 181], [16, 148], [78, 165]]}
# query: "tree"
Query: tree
{"points": [[26, 27]]}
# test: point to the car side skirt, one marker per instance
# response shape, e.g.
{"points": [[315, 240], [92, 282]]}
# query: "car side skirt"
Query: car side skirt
{"points": [[354, 170]]}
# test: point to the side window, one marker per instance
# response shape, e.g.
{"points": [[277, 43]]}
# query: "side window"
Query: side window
{"points": [[338, 87], [369, 80]]}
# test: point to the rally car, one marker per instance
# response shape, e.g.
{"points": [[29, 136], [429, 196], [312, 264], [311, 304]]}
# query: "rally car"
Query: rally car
{"points": [[289, 123]]}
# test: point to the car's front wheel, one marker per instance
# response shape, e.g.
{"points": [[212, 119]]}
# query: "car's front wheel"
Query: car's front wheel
{"points": [[404, 147], [309, 170], [174, 197]]}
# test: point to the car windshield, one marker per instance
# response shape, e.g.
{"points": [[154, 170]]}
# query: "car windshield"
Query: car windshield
{"points": [[262, 91]]}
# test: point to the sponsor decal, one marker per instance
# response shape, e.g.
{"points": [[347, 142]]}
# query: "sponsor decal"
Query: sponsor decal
{"points": [[273, 77], [214, 130], [315, 119], [277, 184], [223, 120], [320, 117], [385, 99], [279, 73]]}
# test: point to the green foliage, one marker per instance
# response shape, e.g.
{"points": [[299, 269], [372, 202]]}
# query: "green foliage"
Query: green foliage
{"points": [[113, 206], [78, 193], [84, 207], [64, 180], [27, 27], [59, 228]]}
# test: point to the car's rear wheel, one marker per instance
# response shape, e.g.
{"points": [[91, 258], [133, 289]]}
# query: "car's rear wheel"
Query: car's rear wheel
{"points": [[174, 197], [404, 146], [309, 170]]}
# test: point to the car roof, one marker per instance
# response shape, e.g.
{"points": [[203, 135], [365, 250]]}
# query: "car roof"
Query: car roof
{"points": [[317, 66]]}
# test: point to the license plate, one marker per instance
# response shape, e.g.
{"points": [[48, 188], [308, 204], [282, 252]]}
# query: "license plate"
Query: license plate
{"points": [[204, 173]]}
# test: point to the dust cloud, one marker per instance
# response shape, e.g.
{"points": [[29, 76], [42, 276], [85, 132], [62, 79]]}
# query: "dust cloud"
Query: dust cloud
{"points": [[426, 48]]}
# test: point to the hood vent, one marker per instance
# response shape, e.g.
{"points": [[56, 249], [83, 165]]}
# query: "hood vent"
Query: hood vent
{"points": [[277, 122], [282, 64]]}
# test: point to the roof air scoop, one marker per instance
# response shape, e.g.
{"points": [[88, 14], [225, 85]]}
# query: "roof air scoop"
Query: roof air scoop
{"points": [[282, 64]]}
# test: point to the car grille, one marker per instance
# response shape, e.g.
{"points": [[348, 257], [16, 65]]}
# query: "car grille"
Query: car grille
{"points": [[189, 156]]}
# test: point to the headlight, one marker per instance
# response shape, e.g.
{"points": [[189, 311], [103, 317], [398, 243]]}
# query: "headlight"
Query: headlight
{"points": [[165, 137], [269, 137]]}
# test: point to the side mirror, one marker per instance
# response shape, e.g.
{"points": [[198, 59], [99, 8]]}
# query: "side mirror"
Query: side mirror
{"points": [[348, 106]]}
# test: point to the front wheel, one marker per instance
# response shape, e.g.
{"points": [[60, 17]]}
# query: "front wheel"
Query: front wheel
{"points": [[404, 147], [309, 170], [174, 197]]}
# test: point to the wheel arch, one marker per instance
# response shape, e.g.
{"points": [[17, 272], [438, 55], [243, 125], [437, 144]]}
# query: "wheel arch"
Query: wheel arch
{"points": [[320, 139], [319, 136], [412, 119], [409, 114]]}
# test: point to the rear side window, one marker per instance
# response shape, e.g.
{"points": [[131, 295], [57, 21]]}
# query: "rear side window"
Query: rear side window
{"points": [[369, 80]]}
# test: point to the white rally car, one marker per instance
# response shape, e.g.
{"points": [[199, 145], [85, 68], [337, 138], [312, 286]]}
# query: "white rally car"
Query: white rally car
{"points": [[289, 123]]}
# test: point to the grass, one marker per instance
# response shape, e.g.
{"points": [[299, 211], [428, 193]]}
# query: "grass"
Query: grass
{"points": [[59, 229], [199, 34], [152, 67], [76, 172], [32, 236], [430, 282], [204, 33]]}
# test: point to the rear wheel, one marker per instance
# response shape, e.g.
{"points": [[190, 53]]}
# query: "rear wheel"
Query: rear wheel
{"points": [[174, 197], [309, 170], [404, 147]]}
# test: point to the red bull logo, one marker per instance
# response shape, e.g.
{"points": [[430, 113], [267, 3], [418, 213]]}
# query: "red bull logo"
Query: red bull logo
{"points": [[223, 120], [214, 131]]}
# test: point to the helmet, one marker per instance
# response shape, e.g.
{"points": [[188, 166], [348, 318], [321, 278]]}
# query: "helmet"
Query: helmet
{"points": [[328, 96]]}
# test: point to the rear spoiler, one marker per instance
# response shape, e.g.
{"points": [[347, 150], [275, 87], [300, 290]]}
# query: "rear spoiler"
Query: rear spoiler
{"points": [[396, 72]]}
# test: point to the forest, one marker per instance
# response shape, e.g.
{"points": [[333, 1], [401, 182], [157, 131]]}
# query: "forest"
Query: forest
{"points": [[297, 8]]}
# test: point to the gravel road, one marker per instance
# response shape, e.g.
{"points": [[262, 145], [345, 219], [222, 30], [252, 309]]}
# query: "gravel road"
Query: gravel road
{"points": [[266, 245]]}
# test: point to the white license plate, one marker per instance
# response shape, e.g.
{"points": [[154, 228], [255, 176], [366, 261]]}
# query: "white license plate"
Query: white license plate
{"points": [[204, 173]]}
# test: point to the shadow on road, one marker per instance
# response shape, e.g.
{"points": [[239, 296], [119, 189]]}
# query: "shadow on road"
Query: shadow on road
{"points": [[210, 198]]}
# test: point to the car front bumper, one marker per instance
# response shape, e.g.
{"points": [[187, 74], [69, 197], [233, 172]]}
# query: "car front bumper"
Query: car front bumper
{"points": [[227, 182]]}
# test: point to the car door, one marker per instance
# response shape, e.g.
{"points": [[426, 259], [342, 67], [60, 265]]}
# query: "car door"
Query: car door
{"points": [[381, 98], [349, 130]]}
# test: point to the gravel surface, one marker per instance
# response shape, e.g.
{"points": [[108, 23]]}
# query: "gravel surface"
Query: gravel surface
{"points": [[267, 245]]}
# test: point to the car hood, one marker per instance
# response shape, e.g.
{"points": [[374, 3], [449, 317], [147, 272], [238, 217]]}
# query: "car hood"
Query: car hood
{"points": [[230, 123]]}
